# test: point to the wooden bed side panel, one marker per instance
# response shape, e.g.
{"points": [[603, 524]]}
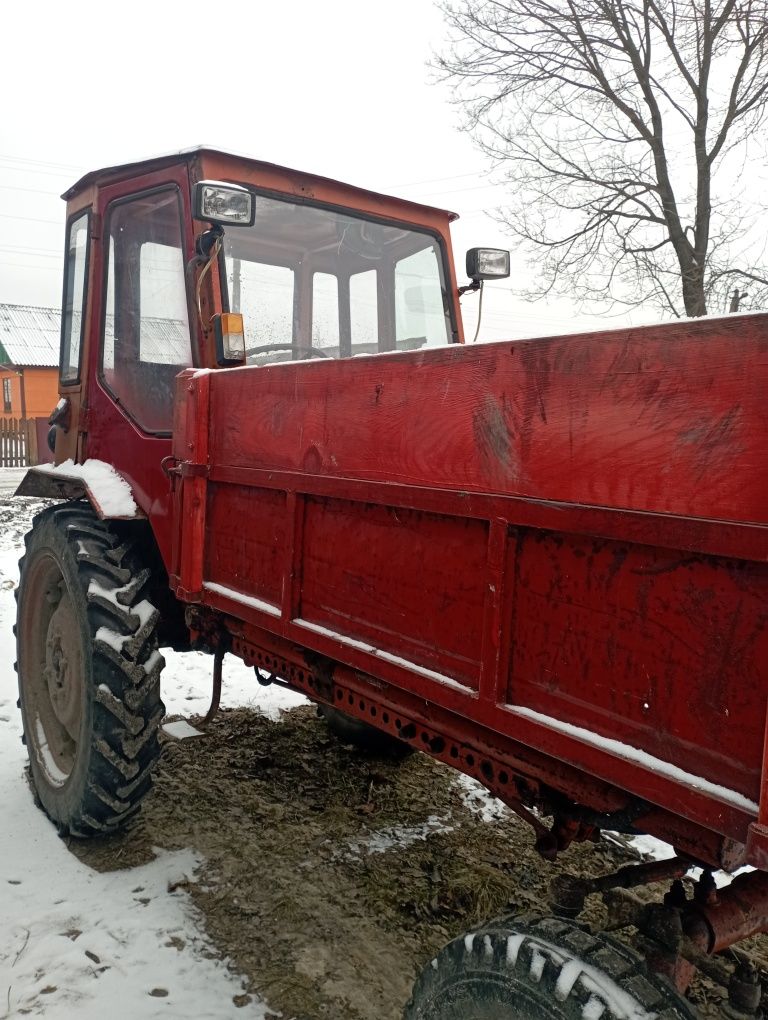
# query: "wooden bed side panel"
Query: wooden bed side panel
{"points": [[669, 419]]}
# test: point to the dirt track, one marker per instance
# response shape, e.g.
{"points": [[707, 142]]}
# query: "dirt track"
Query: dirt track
{"points": [[332, 878]]}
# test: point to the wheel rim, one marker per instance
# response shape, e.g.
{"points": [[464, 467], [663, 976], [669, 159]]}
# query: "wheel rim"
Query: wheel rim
{"points": [[51, 661]]}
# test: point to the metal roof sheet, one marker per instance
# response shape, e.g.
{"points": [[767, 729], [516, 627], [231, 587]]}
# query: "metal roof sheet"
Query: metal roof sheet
{"points": [[29, 335]]}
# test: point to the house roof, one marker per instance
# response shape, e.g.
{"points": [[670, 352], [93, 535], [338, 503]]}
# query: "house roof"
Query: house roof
{"points": [[29, 336]]}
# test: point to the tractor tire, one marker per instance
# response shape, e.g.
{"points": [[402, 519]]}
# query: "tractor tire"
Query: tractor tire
{"points": [[349, 730], [89, 671], [537, 968]]}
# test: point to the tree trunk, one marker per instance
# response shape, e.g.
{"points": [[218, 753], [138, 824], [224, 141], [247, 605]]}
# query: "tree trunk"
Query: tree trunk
{"points": [[693, 290]]}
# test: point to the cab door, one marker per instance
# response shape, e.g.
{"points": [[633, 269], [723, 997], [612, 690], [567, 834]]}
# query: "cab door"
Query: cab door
{"points": [[142, 334]]}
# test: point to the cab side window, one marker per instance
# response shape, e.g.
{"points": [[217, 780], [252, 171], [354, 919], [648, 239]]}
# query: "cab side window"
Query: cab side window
{"points": [[73, 311], [146, 327]]}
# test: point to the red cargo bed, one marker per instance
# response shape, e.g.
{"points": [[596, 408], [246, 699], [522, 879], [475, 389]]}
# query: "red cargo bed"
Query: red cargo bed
{"points": [[549, 556]]}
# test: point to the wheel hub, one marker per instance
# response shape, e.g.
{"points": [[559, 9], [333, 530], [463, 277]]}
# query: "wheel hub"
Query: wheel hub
{"points": [[62, 671], [51, 668]]}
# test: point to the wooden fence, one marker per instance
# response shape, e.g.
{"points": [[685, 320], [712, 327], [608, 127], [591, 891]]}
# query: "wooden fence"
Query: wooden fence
{"points": [[18, 442]]}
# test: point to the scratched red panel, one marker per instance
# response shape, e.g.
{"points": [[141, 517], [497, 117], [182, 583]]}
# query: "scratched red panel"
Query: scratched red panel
{"points": [[246, 536], [665, 652], [409, 583], [669, 419]]}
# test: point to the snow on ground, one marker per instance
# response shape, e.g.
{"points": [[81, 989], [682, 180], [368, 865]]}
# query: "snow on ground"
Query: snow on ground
{"points": [[75, 943], [480, 800], [10, 479], [186, 685], [396, 836]]}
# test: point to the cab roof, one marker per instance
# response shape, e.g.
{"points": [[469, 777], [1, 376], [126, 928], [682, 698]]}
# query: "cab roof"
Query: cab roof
{"points": [[113, 174]]}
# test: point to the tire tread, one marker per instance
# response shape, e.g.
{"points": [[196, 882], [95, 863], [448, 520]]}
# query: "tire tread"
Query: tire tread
{"points": [[124, 685]]}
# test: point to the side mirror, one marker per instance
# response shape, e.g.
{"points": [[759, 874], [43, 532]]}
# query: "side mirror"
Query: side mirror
{"points": [[487, 264], [223, 204]]}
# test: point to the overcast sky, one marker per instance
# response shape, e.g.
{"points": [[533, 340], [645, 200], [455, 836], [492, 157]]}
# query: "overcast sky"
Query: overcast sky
{"points": [[339, 88]]}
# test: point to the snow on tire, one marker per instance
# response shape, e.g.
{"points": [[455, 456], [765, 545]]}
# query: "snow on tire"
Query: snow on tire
{"points": [[89, 670], [541, 968]]}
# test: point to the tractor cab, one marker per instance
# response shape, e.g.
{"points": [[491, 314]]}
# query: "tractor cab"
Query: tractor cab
{"points": [[206, 260]]}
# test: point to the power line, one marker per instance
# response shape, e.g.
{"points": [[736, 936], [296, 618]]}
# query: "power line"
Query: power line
{"points": [[33, 170], [47, 253], [29, 265], [432, 180], [30, 219], [460, 191], [41, 162], [33, 191]]}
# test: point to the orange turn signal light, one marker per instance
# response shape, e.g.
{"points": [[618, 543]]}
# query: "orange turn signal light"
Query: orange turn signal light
{"points": [[229, 330]]}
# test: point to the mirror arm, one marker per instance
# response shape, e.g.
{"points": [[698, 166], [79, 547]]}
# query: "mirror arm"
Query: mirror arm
{"points": [[205, 241], [475, 285]]}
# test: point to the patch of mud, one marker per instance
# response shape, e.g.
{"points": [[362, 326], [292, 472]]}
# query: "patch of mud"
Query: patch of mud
{"points": [[333, 878]]}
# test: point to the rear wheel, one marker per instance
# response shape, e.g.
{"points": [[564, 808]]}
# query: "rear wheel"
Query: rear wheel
{"points": [[534, 968], [89, 671], [349, 730]]}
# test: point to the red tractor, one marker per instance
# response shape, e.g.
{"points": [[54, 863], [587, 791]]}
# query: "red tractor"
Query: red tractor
{"points": [[542, 562]]}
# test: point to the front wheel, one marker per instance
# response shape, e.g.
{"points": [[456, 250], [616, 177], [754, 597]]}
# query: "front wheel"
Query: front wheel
{"points": [[89, 671], [541, 968]]}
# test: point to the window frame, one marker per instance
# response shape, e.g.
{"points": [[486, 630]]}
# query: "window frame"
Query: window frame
{"points": [[170, 186], [88, 212], [7, 395], [313, 274], [449, 306]]}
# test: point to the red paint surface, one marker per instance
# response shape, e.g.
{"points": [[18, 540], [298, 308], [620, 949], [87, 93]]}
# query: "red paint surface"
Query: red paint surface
{"points": [[576, 525]]}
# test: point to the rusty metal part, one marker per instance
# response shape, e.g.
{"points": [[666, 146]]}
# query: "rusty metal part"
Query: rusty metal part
{"points": [[735, 913], [659, 926], [745, 992], [682, 935], [218, 659], [677, 896], [660, 938], [705, 890], [568, 892], [205, 629]]}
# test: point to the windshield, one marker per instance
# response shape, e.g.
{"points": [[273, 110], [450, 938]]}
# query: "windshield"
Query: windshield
{"points": [[312, 282]]}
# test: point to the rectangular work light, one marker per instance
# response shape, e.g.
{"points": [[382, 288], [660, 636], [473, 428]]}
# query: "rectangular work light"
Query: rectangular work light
{"points": [[221, 203], [487, 263]]}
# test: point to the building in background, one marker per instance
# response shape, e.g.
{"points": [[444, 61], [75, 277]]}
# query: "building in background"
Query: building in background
{"points": [[29, 359]]}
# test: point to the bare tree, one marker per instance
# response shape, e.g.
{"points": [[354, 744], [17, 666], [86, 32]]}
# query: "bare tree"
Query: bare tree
{"points": [[613, 120]]}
